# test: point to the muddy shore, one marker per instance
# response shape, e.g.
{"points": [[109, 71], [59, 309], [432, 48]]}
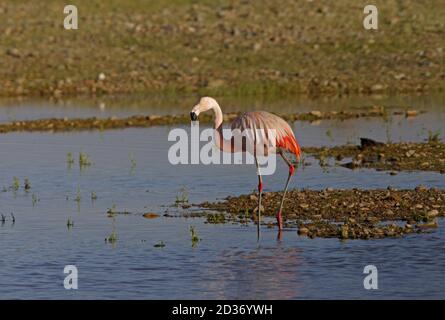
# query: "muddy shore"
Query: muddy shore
{"points": [[66, 124], [339, 213], [403, 156]]}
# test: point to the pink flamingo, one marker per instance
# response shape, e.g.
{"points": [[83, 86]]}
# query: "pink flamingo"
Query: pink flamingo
{"points": [[285, 140]]}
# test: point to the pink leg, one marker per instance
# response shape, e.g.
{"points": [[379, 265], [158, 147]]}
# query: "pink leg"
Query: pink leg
{"points": [[260, 192], [291, 172]]}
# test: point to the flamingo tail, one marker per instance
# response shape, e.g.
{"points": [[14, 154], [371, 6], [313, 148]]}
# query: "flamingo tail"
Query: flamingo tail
{"points": [[290, 143]]}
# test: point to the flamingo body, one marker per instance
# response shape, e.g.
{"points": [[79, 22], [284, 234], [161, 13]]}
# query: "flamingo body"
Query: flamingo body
{"points": [[259, 122], [285, 138]]}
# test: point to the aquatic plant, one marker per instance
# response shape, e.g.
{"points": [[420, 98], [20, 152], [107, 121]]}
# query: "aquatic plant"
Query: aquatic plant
{"points": [[132, 160], [69, 159], [194, 236], [84, 160], [15, 183], [27, 184], [329, 134], [69, 223], [78, 195], [112, 238], [433, 137], [216, 218], [182, 197], [112, 211], [35, 199]]}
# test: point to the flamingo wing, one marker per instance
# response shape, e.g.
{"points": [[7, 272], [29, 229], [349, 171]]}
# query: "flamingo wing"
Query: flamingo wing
{"points": [[285, 138]]}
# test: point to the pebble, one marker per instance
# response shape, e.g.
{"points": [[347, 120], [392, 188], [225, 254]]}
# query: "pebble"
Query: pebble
{"points": [[433, 213]]}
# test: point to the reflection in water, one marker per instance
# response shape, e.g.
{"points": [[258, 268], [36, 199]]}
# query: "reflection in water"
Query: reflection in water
{"points": [[262, 273]]}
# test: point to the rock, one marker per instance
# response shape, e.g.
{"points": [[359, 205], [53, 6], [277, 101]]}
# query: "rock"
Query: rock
{"points": [[253, 197], [13, 52], [150, 215], [432, 214], [428, 225], [367, 143], [316, 113], [344, 232], [410, 153], [303, 231], [101, 76], [377, 87], [216, 83], [256, 209], [304, 205], [420, 188], [411, 113]]}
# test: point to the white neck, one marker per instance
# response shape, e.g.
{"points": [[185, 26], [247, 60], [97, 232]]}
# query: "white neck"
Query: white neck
{"points": [[221, 143], [218, 116]]}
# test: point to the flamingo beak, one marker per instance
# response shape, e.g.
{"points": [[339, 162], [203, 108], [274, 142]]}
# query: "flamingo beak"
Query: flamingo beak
{"points": [[193, 116]]}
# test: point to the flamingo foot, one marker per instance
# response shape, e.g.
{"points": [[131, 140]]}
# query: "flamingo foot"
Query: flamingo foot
{"points": [[279, 220]]}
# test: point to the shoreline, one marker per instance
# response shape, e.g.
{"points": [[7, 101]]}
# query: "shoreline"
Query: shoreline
{"points": [[142, 121]]}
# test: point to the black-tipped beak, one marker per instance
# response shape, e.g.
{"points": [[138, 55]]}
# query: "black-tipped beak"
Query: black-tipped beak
{"points": [[193, 116]]}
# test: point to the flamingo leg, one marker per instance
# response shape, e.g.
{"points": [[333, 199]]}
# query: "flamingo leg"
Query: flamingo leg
{"points": [[291, 172], [260, 192]]}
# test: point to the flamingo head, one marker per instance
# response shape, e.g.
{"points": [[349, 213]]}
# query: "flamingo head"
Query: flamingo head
{"points": [[206, 103]]}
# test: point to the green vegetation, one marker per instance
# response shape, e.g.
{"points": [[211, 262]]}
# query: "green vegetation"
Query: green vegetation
{"points": [[15, 184], [35, 199], [182, 197], [78, 195], [112, 238], [84, 160], [194, 236], [69, 159], [220, 47], [433, 137]]}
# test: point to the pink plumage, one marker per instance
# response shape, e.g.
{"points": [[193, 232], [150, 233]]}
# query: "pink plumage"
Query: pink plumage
{"points": [[257, 124], [285, 138]]}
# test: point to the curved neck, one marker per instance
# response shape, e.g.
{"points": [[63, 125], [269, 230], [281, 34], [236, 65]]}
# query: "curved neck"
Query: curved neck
{"points": [[218, 117], [221, 143]]}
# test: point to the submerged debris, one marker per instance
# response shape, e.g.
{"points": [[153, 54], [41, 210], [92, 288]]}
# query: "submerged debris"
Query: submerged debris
{"points": [[346, 214], [428, 156], [160, 244]]}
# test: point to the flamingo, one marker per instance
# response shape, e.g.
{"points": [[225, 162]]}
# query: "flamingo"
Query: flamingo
{"points": [[285, 141]]}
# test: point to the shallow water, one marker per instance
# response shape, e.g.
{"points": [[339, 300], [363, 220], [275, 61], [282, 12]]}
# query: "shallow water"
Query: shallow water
{"points": [[228, 262]]}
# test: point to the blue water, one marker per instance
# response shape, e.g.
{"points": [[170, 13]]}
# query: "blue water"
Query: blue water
{"points": [[228, 262]]}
